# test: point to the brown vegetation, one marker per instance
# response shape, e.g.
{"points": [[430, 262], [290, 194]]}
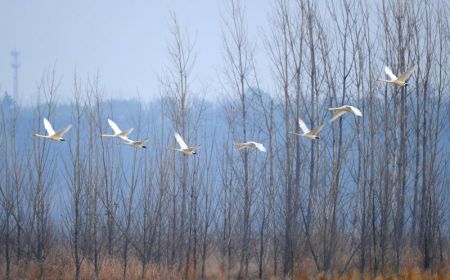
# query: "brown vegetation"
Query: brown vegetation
{"points": [[59, 266]]}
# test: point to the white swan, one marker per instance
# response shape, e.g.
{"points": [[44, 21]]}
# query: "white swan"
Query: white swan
{"points": [[117, 132], [184, 148], [52, 135], [310, 134], [133, 143], [399, 81], [251, 144], [339, 111]]}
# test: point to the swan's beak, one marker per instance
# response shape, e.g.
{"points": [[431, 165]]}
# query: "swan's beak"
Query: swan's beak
{"points": [[317, 137], [62, 139], [144, 147]]}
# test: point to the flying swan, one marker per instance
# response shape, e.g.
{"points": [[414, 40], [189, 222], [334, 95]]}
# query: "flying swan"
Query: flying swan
{"points": [[251, 144], [340, 111], [184, 148], [133, 143], [52, 135], [310, 134], [117, 132], [398, 81]]}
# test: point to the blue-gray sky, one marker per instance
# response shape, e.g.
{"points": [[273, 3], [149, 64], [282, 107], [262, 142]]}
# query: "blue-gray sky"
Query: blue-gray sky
{"points": [[125, 41]]}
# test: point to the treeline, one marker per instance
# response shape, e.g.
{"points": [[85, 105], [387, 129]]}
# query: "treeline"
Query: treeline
{"points": [[371, 195]]}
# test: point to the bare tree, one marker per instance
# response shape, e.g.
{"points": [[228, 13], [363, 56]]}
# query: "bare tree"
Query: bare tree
{"points": [[12, 183], [75, 171], [237, 73], [43, 174]]}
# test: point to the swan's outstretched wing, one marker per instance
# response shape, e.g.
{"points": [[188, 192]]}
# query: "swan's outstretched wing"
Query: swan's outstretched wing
{"points": [[404, 76], [389, 73], [48, 127], [180, 141], [317, 129], [125, 140], [355, 111], [114, 127], [126, 132], [63, 131], [337, 115], [260, 147], [303, 126]]}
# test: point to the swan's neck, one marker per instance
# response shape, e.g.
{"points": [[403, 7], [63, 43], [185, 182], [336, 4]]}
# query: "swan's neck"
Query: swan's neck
{"points": [[39, 135]]}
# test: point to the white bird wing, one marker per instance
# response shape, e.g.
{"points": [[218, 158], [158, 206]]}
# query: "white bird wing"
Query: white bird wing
{"points": [[126, 132], [63, 131], [404, 76], [260, 147], [355, 111], [303, 126], [48, 127], [317, 129], [126, 139], [180, 141], [389, 73], [114, 127], [337, 115]]}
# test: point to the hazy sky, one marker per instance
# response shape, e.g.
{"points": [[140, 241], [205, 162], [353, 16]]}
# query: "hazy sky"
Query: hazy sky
{"points": [[125, 41]]}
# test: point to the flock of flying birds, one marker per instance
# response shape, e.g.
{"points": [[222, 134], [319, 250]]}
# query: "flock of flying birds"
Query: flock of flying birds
{"points": [[187, 150]]}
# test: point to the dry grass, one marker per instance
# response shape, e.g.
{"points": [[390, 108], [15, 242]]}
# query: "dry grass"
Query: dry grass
{"points": [[410, 274], [60, 266]]}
